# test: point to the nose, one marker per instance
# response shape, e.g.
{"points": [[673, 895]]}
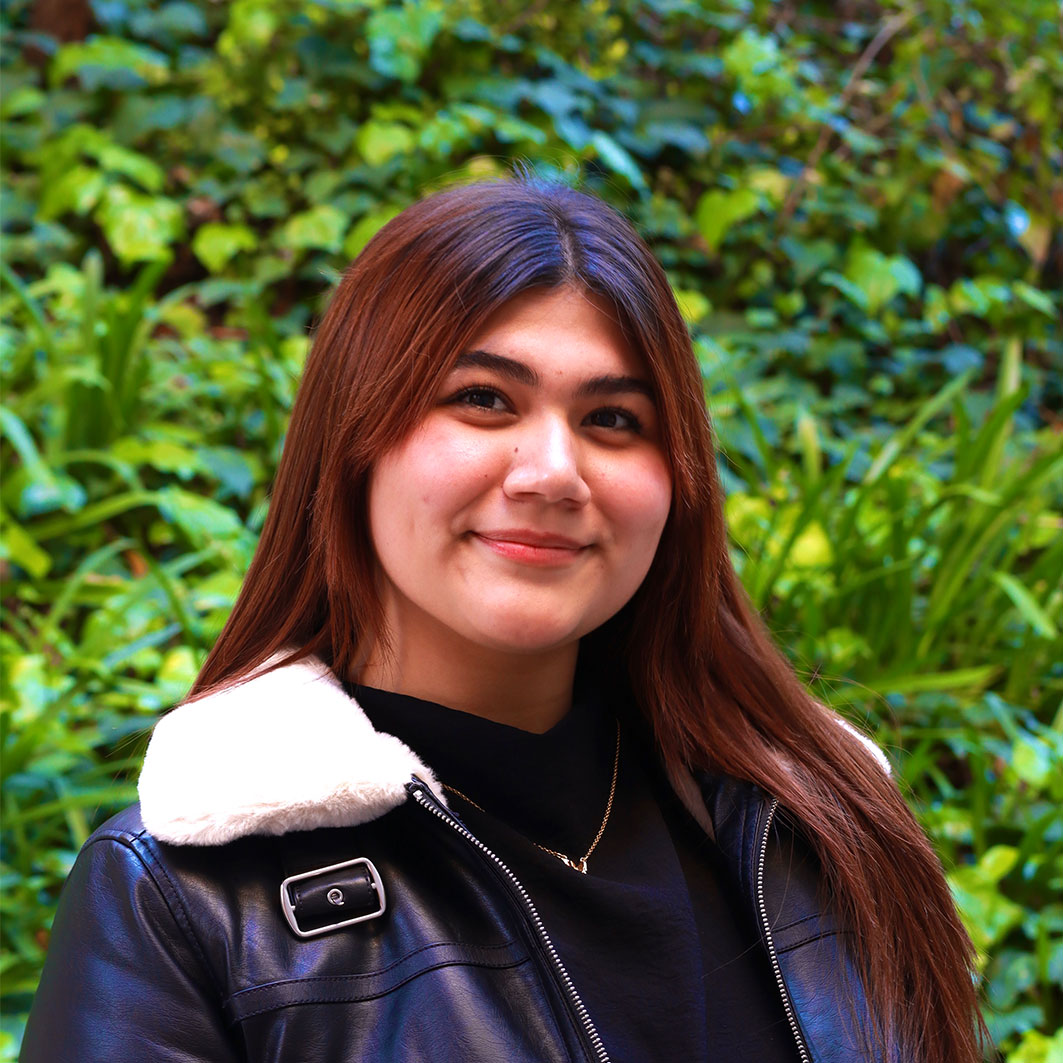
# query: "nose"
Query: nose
{"points": [[546, 464]]}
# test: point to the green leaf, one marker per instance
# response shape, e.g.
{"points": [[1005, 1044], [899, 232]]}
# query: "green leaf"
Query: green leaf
{"points": [[161, 454], [17, 545], [977, 678], [204, 521], [880, 277], [93, 514], [718, 211], [1036, 298], [367, 228], [235, 470], [399, 39], [22, 101], [320, 227], [995, 864], [988, 914], [757, 64], [808, 256], [116, 159], [1036, 1047], [1032, 761], [617, 159], [216, 244], [751, 53], [35, 487], [109, 61], [379, 141], [77, 190], [139, 228], [692, 305], [1027, 605], [32, 494], [773, 183]]}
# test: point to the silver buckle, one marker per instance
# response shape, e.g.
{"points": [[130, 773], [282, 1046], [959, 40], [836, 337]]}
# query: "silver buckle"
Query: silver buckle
{"points": [[289, 909]]}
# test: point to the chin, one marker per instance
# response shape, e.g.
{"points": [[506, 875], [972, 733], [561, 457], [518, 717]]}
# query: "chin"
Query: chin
{"points": [[527, 636], [535, 634]]}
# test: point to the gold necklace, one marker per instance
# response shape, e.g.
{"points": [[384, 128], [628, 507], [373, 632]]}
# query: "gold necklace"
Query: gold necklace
{"points": [[579, 865]]}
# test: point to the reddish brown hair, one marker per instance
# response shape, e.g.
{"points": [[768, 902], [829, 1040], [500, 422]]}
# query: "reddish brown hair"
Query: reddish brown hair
{"points": [[715, 689]]}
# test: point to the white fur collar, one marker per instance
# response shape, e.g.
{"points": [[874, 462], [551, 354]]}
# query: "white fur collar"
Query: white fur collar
{"points": [[287, 750]]}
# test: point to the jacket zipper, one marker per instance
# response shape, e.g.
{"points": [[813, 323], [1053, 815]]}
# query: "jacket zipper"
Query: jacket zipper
{"points": [[424, 797], [769, 940]]}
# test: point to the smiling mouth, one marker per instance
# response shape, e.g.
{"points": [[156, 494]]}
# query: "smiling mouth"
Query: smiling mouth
{"points": [[532, 547]]}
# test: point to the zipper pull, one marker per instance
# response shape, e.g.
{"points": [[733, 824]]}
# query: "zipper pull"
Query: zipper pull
{"points": [[423, 794]]}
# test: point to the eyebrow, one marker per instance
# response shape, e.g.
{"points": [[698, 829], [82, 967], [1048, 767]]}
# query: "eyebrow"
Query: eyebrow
{"points": [[606, 384]]}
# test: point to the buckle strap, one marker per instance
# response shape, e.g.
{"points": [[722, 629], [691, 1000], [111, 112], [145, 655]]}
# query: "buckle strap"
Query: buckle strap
{"points": [[317, 902]]}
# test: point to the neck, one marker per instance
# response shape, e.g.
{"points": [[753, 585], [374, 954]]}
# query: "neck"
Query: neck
{"points": [[529, 691]]}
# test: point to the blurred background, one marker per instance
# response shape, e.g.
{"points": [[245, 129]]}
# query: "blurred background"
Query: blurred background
{"points": [[858, 204]]}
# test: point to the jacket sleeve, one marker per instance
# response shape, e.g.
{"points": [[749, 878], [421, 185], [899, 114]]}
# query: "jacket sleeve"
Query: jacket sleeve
{"points": [[124, 977]]}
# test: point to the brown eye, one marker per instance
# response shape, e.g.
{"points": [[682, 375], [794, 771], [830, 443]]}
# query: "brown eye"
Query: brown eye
{"points": [[480, 398], [615, 419]]}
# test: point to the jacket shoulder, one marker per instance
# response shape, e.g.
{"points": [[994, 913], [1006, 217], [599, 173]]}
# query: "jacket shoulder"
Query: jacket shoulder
{"points": [[282, 751], [127, 976], [127, 825]]}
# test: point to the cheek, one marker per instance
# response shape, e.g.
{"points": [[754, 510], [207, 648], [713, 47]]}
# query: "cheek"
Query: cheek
{"points": [[641, 500], [427, 480]]}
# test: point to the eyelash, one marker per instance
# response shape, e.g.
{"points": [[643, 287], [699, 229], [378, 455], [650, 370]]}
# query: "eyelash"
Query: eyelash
{"points": [[464, 396]]}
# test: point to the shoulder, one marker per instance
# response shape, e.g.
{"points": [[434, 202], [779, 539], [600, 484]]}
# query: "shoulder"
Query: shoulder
{"points": [[285, 750]]}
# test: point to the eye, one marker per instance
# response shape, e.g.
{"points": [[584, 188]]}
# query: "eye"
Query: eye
{"points": [[614, 419], [479, 397]]}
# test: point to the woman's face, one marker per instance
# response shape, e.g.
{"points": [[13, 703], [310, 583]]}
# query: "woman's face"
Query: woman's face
{"points": [[525, 509]]}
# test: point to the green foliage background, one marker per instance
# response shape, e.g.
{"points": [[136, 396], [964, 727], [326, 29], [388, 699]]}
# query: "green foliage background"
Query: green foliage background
{"points": [[858, 204]]}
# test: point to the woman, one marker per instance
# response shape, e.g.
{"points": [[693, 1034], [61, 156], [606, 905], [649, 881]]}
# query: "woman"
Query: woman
{"points": [[493, 760]]}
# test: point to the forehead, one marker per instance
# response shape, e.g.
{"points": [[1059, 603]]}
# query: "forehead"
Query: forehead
{"points": [[561, 330]]}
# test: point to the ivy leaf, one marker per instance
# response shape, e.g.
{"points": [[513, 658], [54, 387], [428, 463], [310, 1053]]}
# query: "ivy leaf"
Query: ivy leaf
{"points": [[718, 211], [379, 141], [320, 227], [235, 471], [1037, 1048], [216, 244], [36, 495], [367, 228], [693, 305], [399, 39], [117, 159], [109, 62], [139, 228], [162, 454], [988, 914], [205, 522], [26, 99], [618, 159], [77, 190], [878, 277], [757, 64], [179, 20], [808, 256]]}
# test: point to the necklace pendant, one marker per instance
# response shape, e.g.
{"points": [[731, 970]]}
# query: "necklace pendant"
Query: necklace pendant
{"points": [[576, 865]]}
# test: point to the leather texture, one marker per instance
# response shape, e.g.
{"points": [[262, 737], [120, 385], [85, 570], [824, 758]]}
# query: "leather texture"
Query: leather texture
{"points": [[181, 954], [820, 980]]}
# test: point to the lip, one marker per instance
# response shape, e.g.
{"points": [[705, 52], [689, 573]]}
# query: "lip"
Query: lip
{"points": [[532, 547]]}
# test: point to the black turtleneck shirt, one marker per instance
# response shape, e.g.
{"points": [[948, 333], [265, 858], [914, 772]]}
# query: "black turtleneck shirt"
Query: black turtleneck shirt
{"points": [[667, 958]]}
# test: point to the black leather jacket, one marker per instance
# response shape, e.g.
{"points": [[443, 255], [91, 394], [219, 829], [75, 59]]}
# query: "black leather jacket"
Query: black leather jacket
{"points": [[185, 952]]}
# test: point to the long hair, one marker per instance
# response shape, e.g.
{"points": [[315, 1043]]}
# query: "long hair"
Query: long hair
{"points": [[717, 692]]}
